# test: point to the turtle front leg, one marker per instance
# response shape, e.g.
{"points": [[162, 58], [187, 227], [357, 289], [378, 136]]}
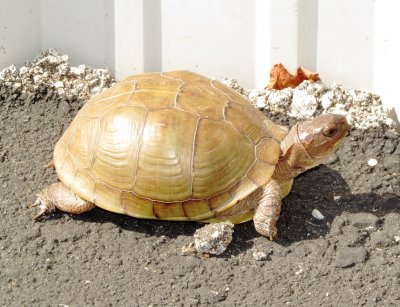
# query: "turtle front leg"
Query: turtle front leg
{"points": [[268, 210], [59, 196]]}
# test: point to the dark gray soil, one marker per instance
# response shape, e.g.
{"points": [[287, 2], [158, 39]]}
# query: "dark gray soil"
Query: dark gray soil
{"points": [[351, 258]]}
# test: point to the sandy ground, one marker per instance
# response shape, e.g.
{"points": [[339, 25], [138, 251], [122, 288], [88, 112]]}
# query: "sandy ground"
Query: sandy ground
{"points": [[351, 258]]}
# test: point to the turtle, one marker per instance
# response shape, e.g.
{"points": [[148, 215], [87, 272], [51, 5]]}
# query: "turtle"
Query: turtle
{"points": [[179, 146]]}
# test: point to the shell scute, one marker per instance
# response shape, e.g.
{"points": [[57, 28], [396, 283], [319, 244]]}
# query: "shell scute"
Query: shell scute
{"points": [[172, 211], [220, 159], [197, 208], [115, 157], [202, 100], [164, 171], [136, 206]]}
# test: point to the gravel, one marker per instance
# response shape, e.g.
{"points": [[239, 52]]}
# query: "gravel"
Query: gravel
{"points": [[362, 108], [51, 71]]}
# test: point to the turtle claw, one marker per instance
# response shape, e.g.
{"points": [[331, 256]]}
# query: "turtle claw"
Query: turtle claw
{"points": [[49, 165], [266, 229], [44, 207]]}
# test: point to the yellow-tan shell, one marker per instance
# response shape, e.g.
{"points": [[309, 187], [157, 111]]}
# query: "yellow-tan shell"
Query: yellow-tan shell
{"points": [[171, 146]]}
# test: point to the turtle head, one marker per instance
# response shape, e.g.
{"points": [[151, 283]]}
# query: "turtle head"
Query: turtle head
{"points": [[309, 143], [321, 136]]}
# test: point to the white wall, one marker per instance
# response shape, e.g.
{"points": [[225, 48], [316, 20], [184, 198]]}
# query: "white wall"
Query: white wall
{"points": [[386, 51], [82, 29], [19, 31], [345, 42], [209, 37], [354, 42]]}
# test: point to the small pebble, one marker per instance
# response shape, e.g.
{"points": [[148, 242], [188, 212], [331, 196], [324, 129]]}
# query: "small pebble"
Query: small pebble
{"points": [[372, 162], [213, 238], [326, 101], [337, 197], [317, 215], [260, 255], [260, 103], [58, 84], [77, 70]]}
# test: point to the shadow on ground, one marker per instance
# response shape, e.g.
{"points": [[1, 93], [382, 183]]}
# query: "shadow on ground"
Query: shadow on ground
{"points": [[323, 189]]}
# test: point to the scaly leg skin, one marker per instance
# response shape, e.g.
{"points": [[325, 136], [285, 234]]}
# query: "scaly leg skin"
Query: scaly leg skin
{"points": [[269, 208], [59, 196]]}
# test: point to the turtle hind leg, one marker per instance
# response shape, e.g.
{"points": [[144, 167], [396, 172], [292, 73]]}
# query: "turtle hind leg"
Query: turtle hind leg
{"points": [[268, 210], [58, 196]]}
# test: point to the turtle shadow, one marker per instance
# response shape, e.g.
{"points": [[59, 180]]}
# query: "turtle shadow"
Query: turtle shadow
{"points": [[149, 227], [321, 188], [325, 190]]}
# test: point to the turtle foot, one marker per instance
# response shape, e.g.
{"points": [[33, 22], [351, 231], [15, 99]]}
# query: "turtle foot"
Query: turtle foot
{"points": [[44, 207], [58, 196], [266, 229], [267, 213]]}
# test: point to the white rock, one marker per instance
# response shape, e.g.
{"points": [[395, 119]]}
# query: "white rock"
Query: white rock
{"points": [[340, 106], [303, 105], [96, 90], [260, 255], [260, 102], [299, 270], [51, 59], [326, 101], [23, 70], [252, 94], [8, 72], [37, 78], [213, 238], [390, 122], [350, 119], [58, 84], [77, 70], [65, 57], [317, 215], [337, 197], [372, 162], [275, 98], [63, 68]]}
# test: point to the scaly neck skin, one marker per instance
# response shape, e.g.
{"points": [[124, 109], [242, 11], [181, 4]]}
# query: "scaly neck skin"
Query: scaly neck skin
{"points": [[294, 158]]}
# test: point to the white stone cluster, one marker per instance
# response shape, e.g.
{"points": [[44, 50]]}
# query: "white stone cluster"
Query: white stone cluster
{"points": [[52, 70], [362, 108]]}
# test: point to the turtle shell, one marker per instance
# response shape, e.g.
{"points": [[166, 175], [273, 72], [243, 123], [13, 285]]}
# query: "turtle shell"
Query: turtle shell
{"points": [[170, 146]]}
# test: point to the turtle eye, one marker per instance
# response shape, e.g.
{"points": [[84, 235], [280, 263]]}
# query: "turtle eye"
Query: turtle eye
{"points": [[329, 132]]}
